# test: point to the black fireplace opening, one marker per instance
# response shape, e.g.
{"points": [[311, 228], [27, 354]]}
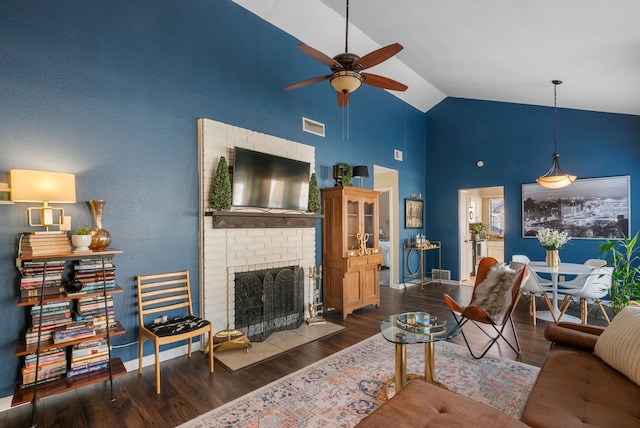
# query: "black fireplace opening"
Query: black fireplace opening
{"points": [[269, 300]]}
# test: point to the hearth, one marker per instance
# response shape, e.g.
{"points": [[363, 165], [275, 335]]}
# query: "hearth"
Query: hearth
{"points": [[269, 300]]}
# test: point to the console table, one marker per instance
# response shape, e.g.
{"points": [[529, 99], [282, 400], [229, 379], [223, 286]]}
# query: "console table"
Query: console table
{"points": [[416, 274]]}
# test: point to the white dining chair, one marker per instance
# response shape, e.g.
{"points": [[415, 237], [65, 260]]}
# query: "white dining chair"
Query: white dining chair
{"points": [[543, 282], [578, 281], [532, 288], [596, 285]]}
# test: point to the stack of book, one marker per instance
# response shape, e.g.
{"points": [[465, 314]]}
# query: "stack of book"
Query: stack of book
{"points": [[52, 365], [54, 315], [94, 276], [33, 275], [88, 357], [43, 243], [92, 309], [73, 331]]}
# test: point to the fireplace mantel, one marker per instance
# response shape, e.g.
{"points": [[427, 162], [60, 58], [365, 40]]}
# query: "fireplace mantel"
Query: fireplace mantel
{"points": [[261, 220]]}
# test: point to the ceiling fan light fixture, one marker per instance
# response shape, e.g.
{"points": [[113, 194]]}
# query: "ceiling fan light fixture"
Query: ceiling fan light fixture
{"points": [[555, 177], [345, 81]]}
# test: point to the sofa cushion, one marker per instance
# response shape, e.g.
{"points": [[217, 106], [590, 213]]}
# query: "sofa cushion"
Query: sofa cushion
{"points": [[421, 404], [619, 344], [578, 389]]}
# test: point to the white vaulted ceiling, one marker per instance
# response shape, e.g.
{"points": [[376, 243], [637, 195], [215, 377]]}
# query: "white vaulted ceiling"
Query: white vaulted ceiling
{"points": [[499, 50]]}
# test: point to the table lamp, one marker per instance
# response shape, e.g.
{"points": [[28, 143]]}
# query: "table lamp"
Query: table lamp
{"points": [[361, 171], [45, 187]]}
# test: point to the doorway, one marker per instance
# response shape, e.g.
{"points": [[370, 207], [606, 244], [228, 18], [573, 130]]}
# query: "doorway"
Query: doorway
{"points": [[385, 180], [480, 205]]}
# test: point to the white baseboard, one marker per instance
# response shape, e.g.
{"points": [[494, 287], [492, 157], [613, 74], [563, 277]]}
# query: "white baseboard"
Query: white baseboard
{"points": [[131, 365]]}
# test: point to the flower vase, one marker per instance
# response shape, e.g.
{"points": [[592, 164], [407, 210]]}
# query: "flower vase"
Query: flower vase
{"points": [[553, 258], [100, 238]]}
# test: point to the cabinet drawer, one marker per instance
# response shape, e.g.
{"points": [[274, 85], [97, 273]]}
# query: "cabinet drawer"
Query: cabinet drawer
{"points": [[374, 259], [357, 261]]}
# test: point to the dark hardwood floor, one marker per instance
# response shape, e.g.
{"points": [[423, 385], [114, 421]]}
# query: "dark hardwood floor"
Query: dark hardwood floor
{"points": [[189, 390]]}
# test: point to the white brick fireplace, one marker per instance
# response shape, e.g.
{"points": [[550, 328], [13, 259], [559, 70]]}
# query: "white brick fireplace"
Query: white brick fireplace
{"points": [[225, 251]]}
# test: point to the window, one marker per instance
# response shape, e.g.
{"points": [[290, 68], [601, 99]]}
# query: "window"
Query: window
{"points": [[496, 214]]}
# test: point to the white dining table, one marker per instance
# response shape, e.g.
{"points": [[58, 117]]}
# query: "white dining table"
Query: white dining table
{"points": [[555, 272]]}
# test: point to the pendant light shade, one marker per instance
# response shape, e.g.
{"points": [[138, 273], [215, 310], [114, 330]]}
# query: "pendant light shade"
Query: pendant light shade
{"points": [[555, 177]]}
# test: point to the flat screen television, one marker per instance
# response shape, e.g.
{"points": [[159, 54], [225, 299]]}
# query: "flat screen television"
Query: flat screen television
{"points": [[267, 181]]}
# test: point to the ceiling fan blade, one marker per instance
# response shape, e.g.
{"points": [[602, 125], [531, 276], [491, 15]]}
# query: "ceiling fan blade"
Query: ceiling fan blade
{"points": [[319, 56], [343, 98], [307, 82], [382, 82], [377, 56]]}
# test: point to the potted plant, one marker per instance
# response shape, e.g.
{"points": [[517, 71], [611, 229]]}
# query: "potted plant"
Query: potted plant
{"points": [[624, 256], [478, 230], [347, 174], [314, 195], [81, 239], [221, 189]]}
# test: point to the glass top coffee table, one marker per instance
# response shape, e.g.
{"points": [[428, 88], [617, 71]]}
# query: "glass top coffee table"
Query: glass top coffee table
{"points": [[414, 328]]}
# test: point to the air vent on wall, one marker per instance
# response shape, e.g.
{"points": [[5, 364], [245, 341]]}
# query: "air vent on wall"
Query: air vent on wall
{"points": [[312, 127], [442, 274]]}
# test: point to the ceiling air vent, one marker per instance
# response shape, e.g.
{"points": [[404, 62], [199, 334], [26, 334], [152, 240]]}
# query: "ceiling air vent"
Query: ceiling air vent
{"points": [[312, 127]]}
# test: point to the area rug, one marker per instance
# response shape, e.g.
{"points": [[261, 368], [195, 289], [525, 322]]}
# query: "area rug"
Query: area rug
{"points": [[343, 388], [276, 343]]}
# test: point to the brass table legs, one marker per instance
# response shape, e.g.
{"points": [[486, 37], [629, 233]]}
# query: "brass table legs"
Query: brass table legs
{"points": [[401, 376]]}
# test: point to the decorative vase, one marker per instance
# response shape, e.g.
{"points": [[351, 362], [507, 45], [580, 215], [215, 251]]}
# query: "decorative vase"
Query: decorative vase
{"points": [[553, 258], [100, 238]]}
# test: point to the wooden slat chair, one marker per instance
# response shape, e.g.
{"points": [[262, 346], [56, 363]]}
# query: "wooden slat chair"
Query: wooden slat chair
{"points": [[479, 313], [161, 294]]}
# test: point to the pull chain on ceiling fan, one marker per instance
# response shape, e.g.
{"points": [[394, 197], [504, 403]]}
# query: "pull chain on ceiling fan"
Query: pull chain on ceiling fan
{"points": [[346, 69]]}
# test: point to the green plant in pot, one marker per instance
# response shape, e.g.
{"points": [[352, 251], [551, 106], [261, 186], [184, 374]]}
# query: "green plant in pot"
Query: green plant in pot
{"points": [[314, 195], [221, 189], [347, 174], [81, 239], [479, 229], [624, 256]]}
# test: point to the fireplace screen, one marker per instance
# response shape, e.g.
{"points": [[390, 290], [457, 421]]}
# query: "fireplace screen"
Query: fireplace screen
{"points": [[268, 301]]}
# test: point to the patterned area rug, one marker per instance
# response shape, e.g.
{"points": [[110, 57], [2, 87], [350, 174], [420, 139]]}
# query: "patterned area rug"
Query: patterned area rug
{"points": [[343, 388]]}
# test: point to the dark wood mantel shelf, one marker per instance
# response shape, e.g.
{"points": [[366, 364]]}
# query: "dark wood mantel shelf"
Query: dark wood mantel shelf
{"points": [[255, 220]]}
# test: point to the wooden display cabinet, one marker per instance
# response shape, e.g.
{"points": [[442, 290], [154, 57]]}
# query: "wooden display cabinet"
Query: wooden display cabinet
{"points": [[351, 278]]}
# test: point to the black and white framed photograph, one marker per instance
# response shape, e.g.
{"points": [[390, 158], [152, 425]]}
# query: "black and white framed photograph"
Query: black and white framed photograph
{"points": [[413, 213], [590, 208]]}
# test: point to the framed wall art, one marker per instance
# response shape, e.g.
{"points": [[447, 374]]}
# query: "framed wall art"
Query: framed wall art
{"points": [[591, 208], [413, 213]]}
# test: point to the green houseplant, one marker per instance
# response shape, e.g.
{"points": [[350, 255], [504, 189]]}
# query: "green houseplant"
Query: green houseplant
{"points": [[347, 173], [479, 229], [81, 238], [624, 256], [314, 195], [221, 193]]}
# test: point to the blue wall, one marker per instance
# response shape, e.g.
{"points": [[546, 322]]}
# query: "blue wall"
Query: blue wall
{"points": [[111, 92], [515, 142]]}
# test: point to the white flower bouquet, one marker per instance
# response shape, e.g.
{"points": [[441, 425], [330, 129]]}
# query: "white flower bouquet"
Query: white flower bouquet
{"points": [[552, 239]]}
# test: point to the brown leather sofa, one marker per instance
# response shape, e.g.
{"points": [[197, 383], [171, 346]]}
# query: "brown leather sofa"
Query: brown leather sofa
{"points": [[574, 389]]}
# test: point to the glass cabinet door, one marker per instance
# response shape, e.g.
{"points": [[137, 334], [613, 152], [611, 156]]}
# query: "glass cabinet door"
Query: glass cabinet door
{"points": [[369, 222], [353, 225]]}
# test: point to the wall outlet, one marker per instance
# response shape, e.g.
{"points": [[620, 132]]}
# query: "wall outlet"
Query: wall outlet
{"points": [[66, 223], [561, 278]]}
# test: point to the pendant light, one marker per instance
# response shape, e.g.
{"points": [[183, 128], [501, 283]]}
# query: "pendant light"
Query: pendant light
{"points": [[555, 177]]}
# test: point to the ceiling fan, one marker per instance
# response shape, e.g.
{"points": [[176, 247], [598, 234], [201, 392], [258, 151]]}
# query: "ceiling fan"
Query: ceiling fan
{"points": [[346, 69]]}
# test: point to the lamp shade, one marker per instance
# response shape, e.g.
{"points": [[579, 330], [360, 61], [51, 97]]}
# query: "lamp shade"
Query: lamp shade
{"points": [[361, 171], [42, 186]]}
